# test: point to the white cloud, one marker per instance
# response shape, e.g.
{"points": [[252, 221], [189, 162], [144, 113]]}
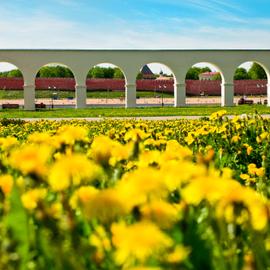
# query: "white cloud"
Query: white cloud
{"points": [[43, 31]]}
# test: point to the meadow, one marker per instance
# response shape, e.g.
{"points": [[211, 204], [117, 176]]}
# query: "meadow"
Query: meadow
{"points": [[135, 194]]}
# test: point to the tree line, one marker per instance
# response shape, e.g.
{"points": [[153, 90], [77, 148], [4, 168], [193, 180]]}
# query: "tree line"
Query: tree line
{"points": [[256, 72]]}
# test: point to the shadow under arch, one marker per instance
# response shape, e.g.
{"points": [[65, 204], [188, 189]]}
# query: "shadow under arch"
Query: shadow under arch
{"points": [[156, 88]]}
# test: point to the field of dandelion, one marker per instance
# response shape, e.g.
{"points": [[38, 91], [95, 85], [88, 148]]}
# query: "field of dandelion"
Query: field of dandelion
{"points": [[135, 195]]}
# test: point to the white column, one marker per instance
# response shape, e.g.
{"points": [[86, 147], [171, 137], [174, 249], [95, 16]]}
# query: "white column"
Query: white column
{"points": [[179, 94], [80, 96], [130, 95], [268, 94], [227, 94], [29, 97]]}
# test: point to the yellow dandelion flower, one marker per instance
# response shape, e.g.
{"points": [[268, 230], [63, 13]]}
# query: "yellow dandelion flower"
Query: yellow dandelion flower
{"points": [[243, 205], [139, 186], [84, 195], [252, 169], [6, 183], [31, 158], [72, 169], [179, 254], [31, 198], [235, 139], [105, 205], [217, 115], [8, 142], [138, 241], [161, 212], [70, 134]]}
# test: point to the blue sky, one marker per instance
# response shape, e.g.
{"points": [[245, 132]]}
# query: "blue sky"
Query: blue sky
{"points": [[90, 24]]}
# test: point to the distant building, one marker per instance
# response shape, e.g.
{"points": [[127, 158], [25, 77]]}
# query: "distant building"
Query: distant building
{"points": [[147, 73], [208, 76]]}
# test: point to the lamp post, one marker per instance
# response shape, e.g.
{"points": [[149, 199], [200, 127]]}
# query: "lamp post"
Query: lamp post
{"points": [[162, 87], [54, 96]]}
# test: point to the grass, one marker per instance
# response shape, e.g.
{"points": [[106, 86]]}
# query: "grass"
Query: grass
{"points": [[132, 112], [18, 94]]}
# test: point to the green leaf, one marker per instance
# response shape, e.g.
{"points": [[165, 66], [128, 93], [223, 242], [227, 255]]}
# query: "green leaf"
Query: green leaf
{"points": [[17, 221]]}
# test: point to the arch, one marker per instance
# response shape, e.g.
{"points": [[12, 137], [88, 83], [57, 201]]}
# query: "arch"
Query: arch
{"points": [[214, 65], [55, 88], [12, 65], [200, 88], [106, 90], [55, 64], [159, 91], [248, 89], [267, 71], [11, 88]]}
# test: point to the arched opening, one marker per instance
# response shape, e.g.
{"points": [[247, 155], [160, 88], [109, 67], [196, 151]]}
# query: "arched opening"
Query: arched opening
{"points": [[155, 85], [105, 84], [11, 86], [203, 84], [250, 84], [54, 86]]}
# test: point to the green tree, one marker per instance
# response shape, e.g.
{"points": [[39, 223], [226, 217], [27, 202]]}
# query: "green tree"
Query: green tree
{"points": [[97, 72], [46, 72], [15, 73], [118, 74], [256, 72], [217, 77], [241, 74], [139, 76], [194, 72], [55, 72], [108, 72]]}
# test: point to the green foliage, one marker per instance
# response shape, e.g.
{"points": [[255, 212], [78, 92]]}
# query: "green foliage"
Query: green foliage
{"points": [[257, 72], [98, 72], [139, 76], [241, 74], [217, 77], [118, 74], [55, 72], [194, 72], [15, 73], [17, 215]]}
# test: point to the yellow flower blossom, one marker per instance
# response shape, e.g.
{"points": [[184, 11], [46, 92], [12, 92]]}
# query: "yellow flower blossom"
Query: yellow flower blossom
{"points": [[31, 198], [179, 254], [161, 212], [70, 134], [73, 169], [6, 183], [235, 139], [243, 205], [135, 135], [217, 115], [31, 158], [8, 142], [138, 241], [106, 205], [83, 195]]}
